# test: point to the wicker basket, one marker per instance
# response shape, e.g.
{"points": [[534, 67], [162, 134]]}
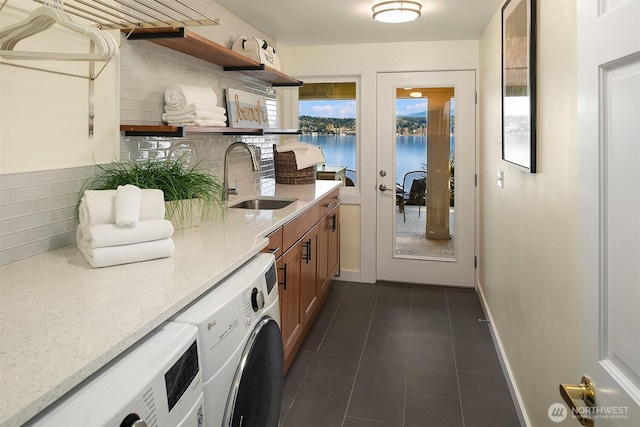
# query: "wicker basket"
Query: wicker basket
{"points": [[287, 172]]}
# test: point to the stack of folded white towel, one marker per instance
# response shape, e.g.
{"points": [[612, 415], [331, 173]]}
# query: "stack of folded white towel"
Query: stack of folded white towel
{"points": [[193, 106], [123, 226], [307, 155]]}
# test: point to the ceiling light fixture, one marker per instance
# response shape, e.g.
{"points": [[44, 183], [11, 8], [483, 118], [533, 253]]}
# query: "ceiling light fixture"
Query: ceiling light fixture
{"points": [[396, 11], [415, 94]]}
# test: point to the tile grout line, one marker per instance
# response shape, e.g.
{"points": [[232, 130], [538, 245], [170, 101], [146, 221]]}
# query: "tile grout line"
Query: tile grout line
{"points": [[455, 361], [355, 378]]}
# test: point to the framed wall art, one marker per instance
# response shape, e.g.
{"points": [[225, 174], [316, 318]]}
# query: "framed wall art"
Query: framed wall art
{"points": [[519, 83]]}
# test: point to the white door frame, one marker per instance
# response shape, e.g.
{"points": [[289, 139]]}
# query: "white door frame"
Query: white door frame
{"points": [[456, 271], [368, 155]]}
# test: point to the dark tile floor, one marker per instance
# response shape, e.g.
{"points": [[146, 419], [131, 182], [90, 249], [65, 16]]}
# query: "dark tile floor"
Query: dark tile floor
{"points": [[390, 355]]}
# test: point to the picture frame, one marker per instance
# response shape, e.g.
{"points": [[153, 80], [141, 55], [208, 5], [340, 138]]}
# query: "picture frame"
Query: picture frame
{"points": [[519, 84]]}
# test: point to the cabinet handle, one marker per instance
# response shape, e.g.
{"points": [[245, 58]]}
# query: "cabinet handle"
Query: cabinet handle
{"points": [[334, 222], [307, 256], [338, 197], [327, 205], [284, 276], [273, 250]]}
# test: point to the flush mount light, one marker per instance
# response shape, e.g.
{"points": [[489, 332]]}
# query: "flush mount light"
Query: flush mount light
{"points": [[415, 94], [396, 11]]}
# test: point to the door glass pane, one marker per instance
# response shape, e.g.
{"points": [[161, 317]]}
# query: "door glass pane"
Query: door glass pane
{"points": [[424, 171]]}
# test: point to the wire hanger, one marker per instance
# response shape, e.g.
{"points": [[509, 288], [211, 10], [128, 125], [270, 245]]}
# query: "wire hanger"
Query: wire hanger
{"points": [[42, 19]]}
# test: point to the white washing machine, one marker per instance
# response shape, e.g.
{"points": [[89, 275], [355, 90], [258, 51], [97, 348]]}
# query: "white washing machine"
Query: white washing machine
{"points": [[158, 382], [242, 355]]}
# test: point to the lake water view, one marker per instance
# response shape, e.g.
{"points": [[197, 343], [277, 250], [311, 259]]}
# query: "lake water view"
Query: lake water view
{"points": [[340, 150]]}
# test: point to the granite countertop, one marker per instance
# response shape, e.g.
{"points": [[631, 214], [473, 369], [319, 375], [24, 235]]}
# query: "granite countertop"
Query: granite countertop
{"points": [[61, 320]]}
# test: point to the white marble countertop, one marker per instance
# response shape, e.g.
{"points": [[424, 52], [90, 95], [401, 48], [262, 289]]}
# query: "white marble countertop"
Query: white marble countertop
{"points": [[61, 320]]}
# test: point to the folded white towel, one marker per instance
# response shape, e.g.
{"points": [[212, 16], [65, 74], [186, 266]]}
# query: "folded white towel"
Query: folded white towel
{"points": [[115, 255], [179, 96], [196, 106], [104, 235], [197, 115], [306, 154], [203, 123], [99, 206], [127, 205], [292, 146]]}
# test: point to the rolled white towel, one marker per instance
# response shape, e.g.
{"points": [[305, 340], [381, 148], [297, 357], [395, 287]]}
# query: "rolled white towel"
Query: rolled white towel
{"points": [[203, 123], [179, 96], [196, 106], [127, 205], [197, 115], [126, 254], [105, 235], [306, 154], [99, 206]]}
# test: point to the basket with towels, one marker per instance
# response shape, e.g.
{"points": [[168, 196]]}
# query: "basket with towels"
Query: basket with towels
{"points": [[193, 106], [123, 226], [295, 162]]}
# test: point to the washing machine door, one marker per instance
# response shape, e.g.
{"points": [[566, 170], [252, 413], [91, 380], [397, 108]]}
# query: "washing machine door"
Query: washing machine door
{"points": [[256, 395]]}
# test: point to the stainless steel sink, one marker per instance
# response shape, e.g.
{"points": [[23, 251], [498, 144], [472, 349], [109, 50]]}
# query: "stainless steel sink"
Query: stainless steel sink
{"points": [[264, 203]]}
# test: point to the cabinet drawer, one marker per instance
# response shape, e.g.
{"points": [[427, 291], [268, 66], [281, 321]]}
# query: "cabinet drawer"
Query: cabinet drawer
{"points": [[330, 201], [293, 230], [275, 243]]}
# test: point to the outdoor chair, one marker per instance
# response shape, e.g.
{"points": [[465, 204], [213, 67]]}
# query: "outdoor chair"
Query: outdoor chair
{"points": [[411, 191]]}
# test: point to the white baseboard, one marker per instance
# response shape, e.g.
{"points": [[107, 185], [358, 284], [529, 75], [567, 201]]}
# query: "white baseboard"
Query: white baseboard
{"points": [[506, 368], [348, 276]]}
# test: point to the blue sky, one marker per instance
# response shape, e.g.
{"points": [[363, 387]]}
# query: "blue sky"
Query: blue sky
{"points": [[344, 109]]}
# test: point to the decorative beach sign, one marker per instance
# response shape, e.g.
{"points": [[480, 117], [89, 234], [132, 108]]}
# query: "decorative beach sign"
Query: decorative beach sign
{"points": [[246, 110]]}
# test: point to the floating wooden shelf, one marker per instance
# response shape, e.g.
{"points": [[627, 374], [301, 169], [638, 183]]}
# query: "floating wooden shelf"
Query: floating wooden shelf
{"points": [[187, 42], [182, 131]]}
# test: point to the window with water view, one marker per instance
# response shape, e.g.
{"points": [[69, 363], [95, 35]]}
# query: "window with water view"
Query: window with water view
{"points": [[327, 118]]}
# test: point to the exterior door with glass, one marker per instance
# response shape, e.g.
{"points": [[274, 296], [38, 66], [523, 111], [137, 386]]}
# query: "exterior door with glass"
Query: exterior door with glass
{"points": [[425, 134]]}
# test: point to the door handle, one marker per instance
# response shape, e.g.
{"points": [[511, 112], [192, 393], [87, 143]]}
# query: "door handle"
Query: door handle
{"points": [[284, 276], [383, 187], [585, 391]]}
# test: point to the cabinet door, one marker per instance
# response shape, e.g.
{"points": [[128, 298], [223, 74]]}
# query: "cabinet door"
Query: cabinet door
{"points": [[334, 242], [329, 250], [308, 271], [289, 292]]}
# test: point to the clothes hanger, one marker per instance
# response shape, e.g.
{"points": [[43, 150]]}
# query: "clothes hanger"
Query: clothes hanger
{"points": [[43, 18]]}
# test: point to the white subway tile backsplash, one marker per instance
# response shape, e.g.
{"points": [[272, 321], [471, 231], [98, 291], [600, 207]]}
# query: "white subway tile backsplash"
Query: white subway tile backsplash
{"points": [[15, 239], [15, 180], [37, 208], [46, 177], [12, 210], [31, 193]]}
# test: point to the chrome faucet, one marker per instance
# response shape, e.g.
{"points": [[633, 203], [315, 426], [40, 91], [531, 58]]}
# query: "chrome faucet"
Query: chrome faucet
{"points": [[254, 161]]}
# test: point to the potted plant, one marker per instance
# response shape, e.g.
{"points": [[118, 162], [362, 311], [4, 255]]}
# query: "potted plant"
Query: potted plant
{"points": [[190, 192]]}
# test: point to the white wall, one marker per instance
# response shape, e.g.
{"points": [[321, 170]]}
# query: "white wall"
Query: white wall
{"points": [[44, 116], [528, 233], [364, 61]]}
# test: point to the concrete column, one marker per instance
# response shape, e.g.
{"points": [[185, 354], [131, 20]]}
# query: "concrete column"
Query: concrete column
{"points": [[438, 174]]}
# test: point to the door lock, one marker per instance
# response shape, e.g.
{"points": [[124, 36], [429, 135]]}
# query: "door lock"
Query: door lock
{"points": [[383, 173], [585, 391]]}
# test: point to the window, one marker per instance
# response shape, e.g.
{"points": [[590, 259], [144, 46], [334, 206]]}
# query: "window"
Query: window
{"points": [[328, 119]]}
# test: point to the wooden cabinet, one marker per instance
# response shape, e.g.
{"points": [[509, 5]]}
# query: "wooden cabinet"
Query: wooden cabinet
{"points": [[309, 303], [289, 281], [307, 257], [328, 250]]}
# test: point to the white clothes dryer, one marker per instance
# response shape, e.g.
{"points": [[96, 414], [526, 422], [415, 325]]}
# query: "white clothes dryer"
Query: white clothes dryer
{"points": [[157, 382], [242, 356]]}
